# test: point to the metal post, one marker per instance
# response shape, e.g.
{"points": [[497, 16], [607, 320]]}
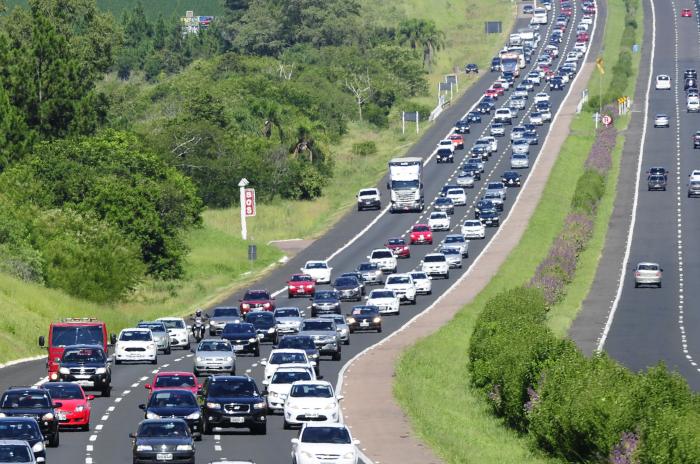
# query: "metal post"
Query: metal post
{"points": [[403, 122], [242, 184], [417, 119]]}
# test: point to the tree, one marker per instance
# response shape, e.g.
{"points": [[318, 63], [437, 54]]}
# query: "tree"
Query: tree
{"points": [[424, 35], [361, 88]]}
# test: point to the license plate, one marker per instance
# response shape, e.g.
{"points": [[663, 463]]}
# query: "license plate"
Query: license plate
{"points": [[236, 420], [82, 376], [61, 416], [164, 456], [364, 323], [237, 347], [84, 382], [312, 414]]}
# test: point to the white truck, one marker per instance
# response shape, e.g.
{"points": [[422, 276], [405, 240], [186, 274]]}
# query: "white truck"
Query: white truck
{"points": [[406, 185]]}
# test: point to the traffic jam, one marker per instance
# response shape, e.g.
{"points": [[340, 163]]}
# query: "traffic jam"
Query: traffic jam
{"points": [[180, 408]]}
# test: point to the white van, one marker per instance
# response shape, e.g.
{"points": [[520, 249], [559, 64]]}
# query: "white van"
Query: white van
{"points": [[693, 104], [539, 16]]}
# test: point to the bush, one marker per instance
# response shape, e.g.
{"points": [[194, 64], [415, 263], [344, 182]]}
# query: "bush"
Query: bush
{"points": [[672, 438], [411, 107], [364, 148], [589, 190]]}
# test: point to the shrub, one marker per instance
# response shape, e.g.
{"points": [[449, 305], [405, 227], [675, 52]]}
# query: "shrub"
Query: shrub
{"points": [[411, 107], [364, 148], [589, 190], [672, 438]]}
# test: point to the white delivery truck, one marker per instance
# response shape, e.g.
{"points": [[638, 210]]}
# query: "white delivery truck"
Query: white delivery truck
{"points": [[405, 184]]}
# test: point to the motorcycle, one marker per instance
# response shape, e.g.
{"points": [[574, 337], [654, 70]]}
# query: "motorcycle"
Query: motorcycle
{"points": [[198, 328]]}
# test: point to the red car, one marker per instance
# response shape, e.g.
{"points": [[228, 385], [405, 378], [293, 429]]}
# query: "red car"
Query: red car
{"points": [[75, 404], [500, 90], [421, 233], [457, 141], [256, 300], [491, 93], [399, 247], [686, 13], [301, 285], [170, 380], [582, 37]]}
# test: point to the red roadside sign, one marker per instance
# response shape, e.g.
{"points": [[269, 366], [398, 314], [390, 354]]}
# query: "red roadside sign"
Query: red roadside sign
{"points": [[249, 195]]}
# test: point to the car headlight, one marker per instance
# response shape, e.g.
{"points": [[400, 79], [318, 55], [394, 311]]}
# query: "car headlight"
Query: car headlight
{"points": [[351, 320], [54, 376], [184, 448], [2, 414], [229, 358], [101, 370], [273, 394], [152, 415], [271, 330], [64, 370], [252, 340], [314, 356], [80, 408], [193, 416], [38, 447], [291, 404], [151, 346], [200, 359], [144, 448], [349, 455], [343, 331], [330, 406], [306, 454], [214, 405], [377, 320], [261, 405], [47, 417]]}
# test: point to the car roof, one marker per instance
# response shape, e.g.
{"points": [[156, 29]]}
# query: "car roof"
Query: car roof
{"points": [[170, 318], [183, 373], [14, 442], [135, 329], [313, 382], [647, 263]]}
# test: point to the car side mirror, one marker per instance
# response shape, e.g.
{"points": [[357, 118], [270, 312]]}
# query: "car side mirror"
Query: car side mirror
{"points": [[356, 442], [132, 435], [110, 360], [295, 441], [147, 386], [42, 341], [312, 363], [142, 406], [263, 362], [303, 314], [339, 397], [196, 435], [57, 360], [301, 269], [90, 397], [112, 339], [266, 382]]}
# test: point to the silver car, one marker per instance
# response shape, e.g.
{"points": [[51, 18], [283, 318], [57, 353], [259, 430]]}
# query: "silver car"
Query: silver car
{"points": [[214, 356], [221, 316], [648, 274], [371, 274], [325, 335], [160, 334], [661, 120], [288, 320], [519, 161], [521, 146], [341, 325], [465, 179], [453, 257], [497, 129]]}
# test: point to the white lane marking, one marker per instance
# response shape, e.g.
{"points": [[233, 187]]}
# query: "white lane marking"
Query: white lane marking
{"points": [[98, 427]]}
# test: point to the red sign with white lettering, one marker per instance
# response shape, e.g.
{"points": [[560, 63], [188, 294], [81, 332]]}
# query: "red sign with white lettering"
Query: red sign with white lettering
{"points": [[249, 195]]}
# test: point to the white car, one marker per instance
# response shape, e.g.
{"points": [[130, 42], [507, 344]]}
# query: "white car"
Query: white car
{"points": [[319, 270], [546, 114], [439, 221], [536, 118], [281, 382], [473, 228], [661, 120], [386, 300], [287, 357], [663, 82], [456, 241], [403, 287], [519, 161], [136, 344], [541, 97], [179, 334], [493, 143], [422, 281], [384, 258], [324, 440], [312, 400], [435, 264], [580, 48], [447, 143], [587, 19], [457, 195]]}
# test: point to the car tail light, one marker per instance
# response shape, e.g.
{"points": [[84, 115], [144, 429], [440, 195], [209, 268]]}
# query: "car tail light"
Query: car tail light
{"points": [[245, 306], [637, 273], [658, 273], [266, 305], [309, 286]]}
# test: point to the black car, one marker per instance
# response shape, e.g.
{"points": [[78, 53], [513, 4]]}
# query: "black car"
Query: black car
{"points": [[364, 318], [473, 117], [472, 170], [556, 83], [265, 325], [690, 74], [471, 68], [511, 178], [509, 76], [495, 64], [484, 107], [479, 152], [531, 137], [445, 205], [24, 428], [656, 182], [490, 217], [325, 302], [462, 126], [303, 342], [242, 337], [483, 205], [447, 187], [163, 440], [175, 402], [696, 140], [87, 365], [690, 83], [233, 401], [358, 276], [34, 403], [658, 170], [445, 155], [348, 288]]}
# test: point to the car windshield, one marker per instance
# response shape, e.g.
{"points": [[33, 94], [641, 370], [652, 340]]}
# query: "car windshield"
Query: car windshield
{"points": [[316, 265], [419, 275], [434, 259], [381, 254], [233, 388], [438, 215], [648, 267], [172, 399], [163, 429], [317, 325], [214, 345], [245, 329], [492, 195], [175, 380], [226, 312], [365, 193], [396, 241], [155, 326], [15, 453], [451, 251], [334, 435], [361, 311], [134, 335], [287, 312], [78, 335], [299, 343], [398, 280], [287, 377], [287, 358], [260, 316], [84, 355], [454, 239], [312, 391], [381, 294], [519, 156], [25, 400], [421, 228], [455, 192], [472, 223], [256, 295], [367, 267], [19, 430], [345, 282], [326, 295], [301, 278], [174, 323], [64, 391], [656, 178]]}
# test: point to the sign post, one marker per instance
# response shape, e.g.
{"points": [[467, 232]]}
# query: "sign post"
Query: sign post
{"points": [[242, 185]]}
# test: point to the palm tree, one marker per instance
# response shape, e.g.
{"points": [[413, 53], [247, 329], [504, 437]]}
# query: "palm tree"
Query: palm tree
{"points": [[424, 34]]}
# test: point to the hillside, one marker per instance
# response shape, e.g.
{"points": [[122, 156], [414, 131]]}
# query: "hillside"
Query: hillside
{"points": [[153, 8]]}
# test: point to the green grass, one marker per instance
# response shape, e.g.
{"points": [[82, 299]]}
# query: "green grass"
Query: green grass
{"points": [[153, 8]]}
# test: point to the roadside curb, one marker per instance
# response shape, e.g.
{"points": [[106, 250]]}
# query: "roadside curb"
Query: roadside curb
{"points": [[22, 360]]}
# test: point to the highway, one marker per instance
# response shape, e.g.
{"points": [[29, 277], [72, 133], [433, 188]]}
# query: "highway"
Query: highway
{"points": [[650, 325], [346, 245]]}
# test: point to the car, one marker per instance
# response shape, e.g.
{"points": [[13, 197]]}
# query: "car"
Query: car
{"points": [[503, 115], [492, 93], [663, 82], [325, 335], [473, 166], [693, 187], [497, 129], [179, 334], [658, 170], [386, 300], [482, 205], [534, 77], [212, 356], [465, 179], [324, 439], [287, 357], [456, 241], [517, 133], [319, 270], [233, 401], [696, 140], [175, 403], [496, 199], [556, 83], [471, 68], [160, 334], [446, 205], [473, 117], [457, 195], [457, 141], [25, 429], [364, 317], [324, 302], [692, 104], [536, 118], [531, 137], [495, 64], [279, 385], [341, 326], [490, 141], [439, 221], [369, 198], [686, 13], [254, 300], [646, 273], [453, 257], [348, 288], [521, 147], [265, 325], [447, 144], [371, 273], [582, 37], [403, 287], [587, 19], [75, 404], [541, 96], [690, 73], [300, 285], [357, 275], [444, 155], [490, 218], [479, 152], [222, 315], [16, 451], [516, 104], [399, 247], [473, 228], [135, 345], [511, 178], [420, 233], [545, 112], [434, 264], [159, 440], [87, 365], [661, 120], [484, 107], [242, 337], [385, 259], [691, 84], [462, 126], [521, 91], [311, 401], [288, 319], [656, 182], [34, 403], [305, 343]]}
